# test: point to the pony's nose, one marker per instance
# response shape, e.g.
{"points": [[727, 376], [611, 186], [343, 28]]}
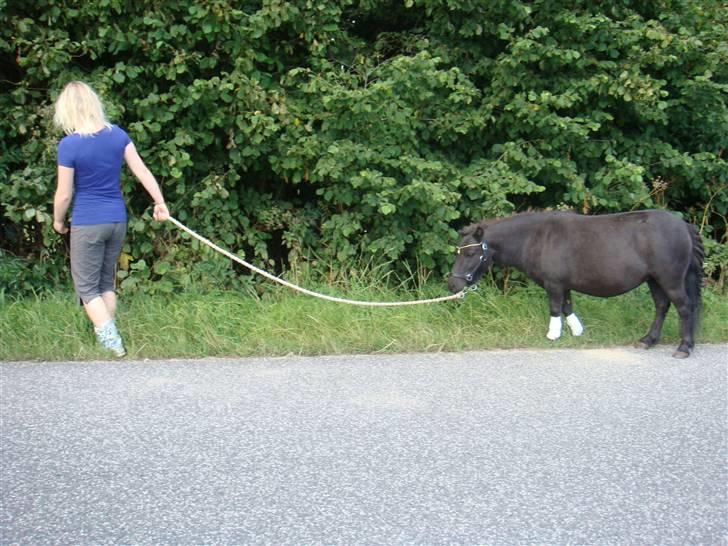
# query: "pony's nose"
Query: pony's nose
{"points": [[455, 285]]}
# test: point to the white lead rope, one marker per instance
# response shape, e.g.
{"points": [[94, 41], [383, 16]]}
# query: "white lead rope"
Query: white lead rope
{"points": [[267, 275]]}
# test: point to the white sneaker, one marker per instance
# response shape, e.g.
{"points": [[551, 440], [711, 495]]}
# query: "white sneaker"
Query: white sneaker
{"points": [[110, 339]]}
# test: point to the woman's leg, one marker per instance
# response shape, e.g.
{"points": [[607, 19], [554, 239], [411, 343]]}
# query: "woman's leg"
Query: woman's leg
{"points": [[98, 311], [109, 298], [107, 281], [94, 251]]}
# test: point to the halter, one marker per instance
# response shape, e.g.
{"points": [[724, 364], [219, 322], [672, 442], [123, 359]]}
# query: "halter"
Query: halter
{"points": [[469, 277]]}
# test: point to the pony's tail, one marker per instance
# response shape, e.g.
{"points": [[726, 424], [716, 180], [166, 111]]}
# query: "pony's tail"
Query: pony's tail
{"points": [[694, 276]]}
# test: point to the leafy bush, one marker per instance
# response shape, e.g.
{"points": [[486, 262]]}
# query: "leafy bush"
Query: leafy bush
{"points": [[716, 263], [20, 278], [292, 129]]}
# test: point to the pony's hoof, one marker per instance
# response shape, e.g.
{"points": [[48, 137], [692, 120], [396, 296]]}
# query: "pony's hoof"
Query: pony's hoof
{"points": [[680, 354], [642, 345]]}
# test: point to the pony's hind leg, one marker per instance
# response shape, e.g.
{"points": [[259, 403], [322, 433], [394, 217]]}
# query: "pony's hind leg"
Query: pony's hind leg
{"points": [[681, 301], [662, 304]]}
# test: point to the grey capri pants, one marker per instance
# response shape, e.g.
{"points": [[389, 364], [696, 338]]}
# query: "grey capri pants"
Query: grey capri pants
{"points": [[95, 250]]}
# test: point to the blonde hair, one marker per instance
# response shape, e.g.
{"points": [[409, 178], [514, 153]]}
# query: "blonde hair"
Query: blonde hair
{"points": [[79, 110]]}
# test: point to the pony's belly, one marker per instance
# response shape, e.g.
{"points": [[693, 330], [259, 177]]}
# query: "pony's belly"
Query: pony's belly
{"points": [[607, 289]]}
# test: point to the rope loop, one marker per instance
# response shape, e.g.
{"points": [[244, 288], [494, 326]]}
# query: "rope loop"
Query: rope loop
{"points": [[267, 275]]}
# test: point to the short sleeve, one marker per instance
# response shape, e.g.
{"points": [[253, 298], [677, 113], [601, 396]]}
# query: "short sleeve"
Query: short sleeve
{"points": [[66, 154], [125, 138]]}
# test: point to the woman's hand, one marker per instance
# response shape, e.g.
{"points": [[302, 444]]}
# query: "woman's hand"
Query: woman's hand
{"points": [[60, 227], [160, 212]]}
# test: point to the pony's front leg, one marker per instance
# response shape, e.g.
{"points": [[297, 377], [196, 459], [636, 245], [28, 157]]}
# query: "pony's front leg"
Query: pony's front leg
{"points": [[560, 303], [556, 303], [571, 319]]}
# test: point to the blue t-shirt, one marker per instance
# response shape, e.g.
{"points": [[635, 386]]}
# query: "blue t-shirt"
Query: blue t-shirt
{"points": [[96, 160]]}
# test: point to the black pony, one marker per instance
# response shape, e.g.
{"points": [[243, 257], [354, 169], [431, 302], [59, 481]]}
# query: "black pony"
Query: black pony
{"points": [[598, 255]]}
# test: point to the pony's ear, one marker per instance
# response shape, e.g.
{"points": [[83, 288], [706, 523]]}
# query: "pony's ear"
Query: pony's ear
{"points": [[467, 230], [478, 233]]}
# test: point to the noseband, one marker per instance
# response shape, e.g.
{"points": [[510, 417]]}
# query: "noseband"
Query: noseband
{"points": [[470, 276]]}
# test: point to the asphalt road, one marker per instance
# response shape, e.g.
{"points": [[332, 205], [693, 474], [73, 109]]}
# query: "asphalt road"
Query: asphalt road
{"points": [[504, 447]]}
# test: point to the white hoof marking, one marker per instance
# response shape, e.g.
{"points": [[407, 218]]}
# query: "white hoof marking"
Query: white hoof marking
{"points": [[554, 328], [574, 325]]}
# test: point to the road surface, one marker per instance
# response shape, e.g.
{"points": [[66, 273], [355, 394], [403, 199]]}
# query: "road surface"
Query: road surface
{"points": [[598, 446]]}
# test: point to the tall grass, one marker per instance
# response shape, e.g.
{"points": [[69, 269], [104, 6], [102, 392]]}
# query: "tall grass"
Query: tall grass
{"points": [[281, 322]]}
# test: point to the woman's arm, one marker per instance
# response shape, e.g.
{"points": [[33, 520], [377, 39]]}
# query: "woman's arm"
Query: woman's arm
{"points": [[62, 199], [144, 175]]}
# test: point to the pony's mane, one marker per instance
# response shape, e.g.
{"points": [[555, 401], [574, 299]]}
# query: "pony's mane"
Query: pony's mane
{"points": [[487, 222]]}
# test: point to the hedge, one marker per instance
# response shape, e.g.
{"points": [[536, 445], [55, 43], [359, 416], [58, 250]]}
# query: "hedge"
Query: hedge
{"points": [[312, 134]]}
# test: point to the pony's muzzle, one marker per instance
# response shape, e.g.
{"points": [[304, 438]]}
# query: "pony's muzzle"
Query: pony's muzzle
{"points": [[456, 284]]}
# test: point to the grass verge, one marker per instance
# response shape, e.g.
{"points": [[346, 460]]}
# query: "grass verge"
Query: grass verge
{"points": [[281, 323]]}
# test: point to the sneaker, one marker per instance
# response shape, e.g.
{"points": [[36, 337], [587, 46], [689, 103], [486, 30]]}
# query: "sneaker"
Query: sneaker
{"points": [[110, 339]]}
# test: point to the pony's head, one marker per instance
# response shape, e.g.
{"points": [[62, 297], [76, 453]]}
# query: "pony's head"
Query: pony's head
{"points": [[472, 260]]}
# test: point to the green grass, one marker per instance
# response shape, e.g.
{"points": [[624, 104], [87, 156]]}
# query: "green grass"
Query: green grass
{"points": [[282, 322]]}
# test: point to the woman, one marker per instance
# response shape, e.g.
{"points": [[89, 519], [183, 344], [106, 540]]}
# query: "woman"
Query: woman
{"points": [[89, 167]]}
